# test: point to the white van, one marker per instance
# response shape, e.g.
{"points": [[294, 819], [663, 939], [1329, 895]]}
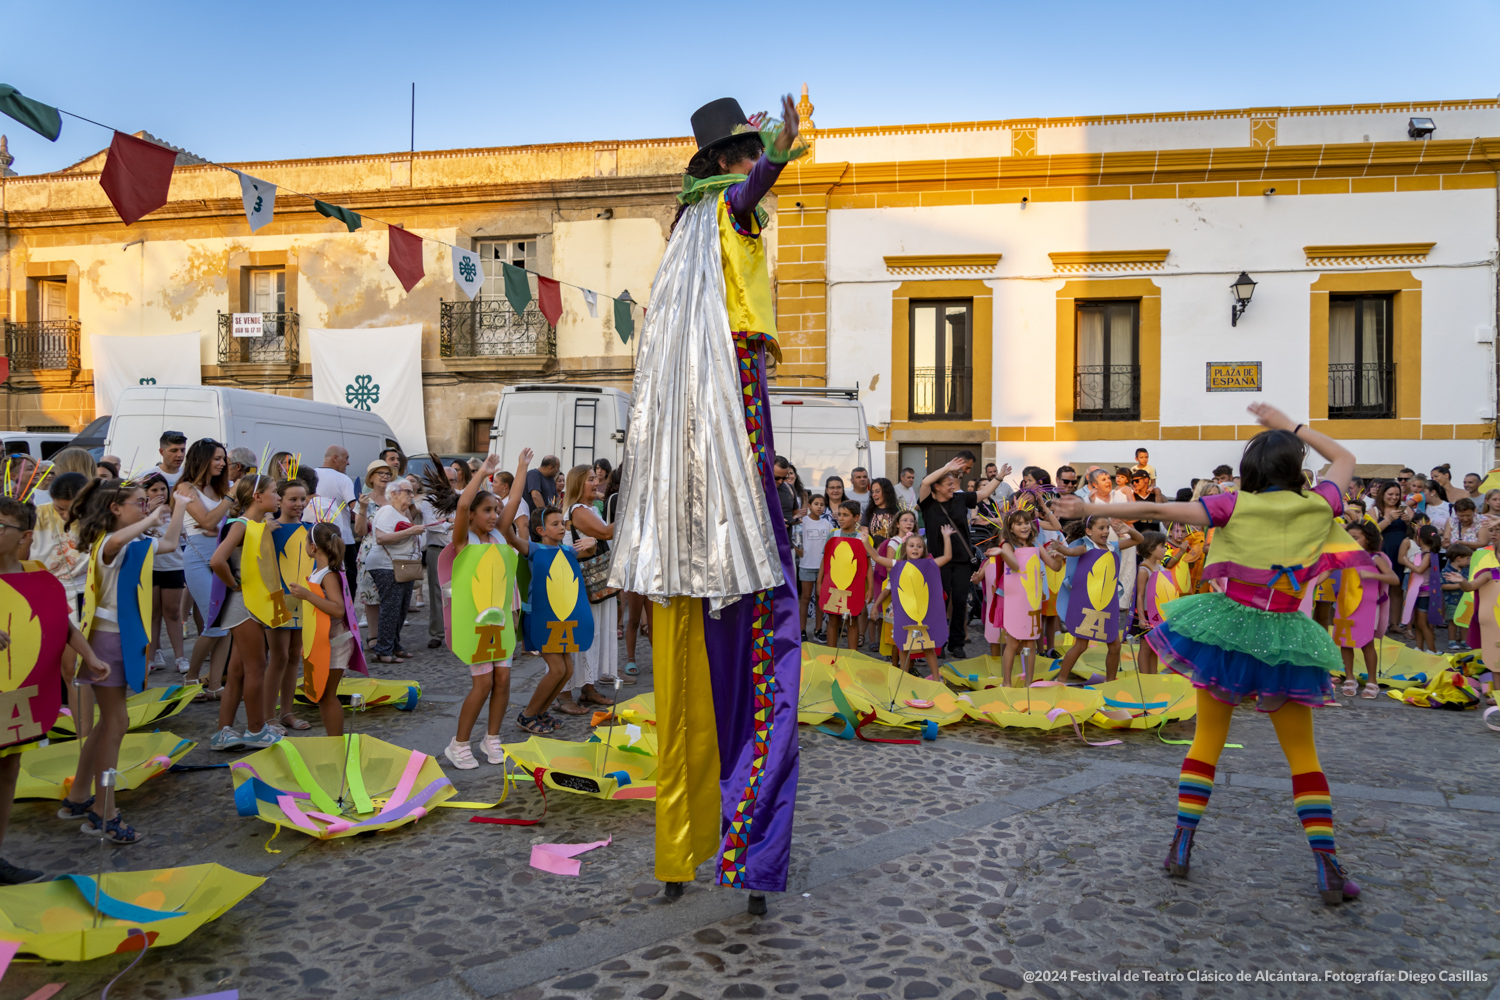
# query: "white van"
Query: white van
{"points": [[241, 418], [37, 445], [822, 432], [578, 423]]}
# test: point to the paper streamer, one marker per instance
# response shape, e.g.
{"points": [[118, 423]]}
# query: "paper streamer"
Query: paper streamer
{"points": [[47, 992], [562, 859], [8, 951]]}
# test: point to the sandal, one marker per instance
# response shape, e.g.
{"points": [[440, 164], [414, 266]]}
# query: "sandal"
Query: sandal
{"points": [[115, 831], [573, 708], [290, 721], [387, 659], [596, 698], [534, 724], [1350, 688], [1372, 690]]}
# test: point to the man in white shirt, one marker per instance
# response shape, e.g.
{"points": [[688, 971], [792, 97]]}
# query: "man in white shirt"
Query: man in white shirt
{"points": [[906, 489], [334, 488], [859, 488], [173, 450]]}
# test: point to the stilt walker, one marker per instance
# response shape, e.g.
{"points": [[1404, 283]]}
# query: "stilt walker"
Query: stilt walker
{"points": [[700, 529], [1276, 539]]}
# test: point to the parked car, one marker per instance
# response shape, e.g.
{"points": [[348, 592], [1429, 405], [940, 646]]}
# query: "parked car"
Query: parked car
{"points": [[92, 437]]}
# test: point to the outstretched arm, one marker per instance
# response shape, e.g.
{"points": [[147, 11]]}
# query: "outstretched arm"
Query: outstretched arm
{"points": [[471, 490], [513, 504], [1340, 459]]}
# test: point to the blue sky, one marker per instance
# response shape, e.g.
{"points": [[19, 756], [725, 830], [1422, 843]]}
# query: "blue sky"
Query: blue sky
{"points": [[279, 80]]}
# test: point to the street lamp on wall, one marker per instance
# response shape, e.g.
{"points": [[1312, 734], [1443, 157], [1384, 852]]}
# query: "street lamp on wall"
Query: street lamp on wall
{"points": [[1243, 288]]}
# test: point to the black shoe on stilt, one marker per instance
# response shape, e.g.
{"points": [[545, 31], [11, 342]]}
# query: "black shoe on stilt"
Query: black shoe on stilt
{"points": [[672, 890], [757, 905], [1333, 885]]}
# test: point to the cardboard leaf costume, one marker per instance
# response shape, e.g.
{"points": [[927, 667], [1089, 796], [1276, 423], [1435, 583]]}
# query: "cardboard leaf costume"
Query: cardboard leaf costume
{"points": [[700, 528], [1089, 605], [559, 620], [478, 587], [293, 565], [132, 603], [317, 632], [1161, 589], [846, 571], [1024, 594], [917, 599], [1356, 607], [1251, 639], [260, 577], [34, 613]]}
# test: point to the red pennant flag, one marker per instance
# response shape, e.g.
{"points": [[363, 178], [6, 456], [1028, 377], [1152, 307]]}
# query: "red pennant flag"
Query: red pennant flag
{"points": [[405, 256], [137, 176], [549, 299]]}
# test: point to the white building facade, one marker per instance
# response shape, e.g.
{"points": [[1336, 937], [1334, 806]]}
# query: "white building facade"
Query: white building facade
{"points": [[1059, 291]]}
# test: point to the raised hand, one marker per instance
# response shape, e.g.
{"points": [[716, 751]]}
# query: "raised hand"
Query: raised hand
{"points": [[1268, 416]]}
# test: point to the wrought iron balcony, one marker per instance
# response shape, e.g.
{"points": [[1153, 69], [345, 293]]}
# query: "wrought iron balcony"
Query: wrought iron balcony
{"points": [[489, 328], [1362, 391], [1107, 392], [941, 393], [43, 345], [277, 344]]}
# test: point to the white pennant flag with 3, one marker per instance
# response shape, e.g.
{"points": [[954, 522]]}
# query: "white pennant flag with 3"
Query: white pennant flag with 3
{"points": [[260, 200], [591, 299], [467, 273]]}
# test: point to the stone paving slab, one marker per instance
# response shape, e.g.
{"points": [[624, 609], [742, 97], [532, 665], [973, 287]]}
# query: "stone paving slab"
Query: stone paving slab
{"points": [[948, 869]]}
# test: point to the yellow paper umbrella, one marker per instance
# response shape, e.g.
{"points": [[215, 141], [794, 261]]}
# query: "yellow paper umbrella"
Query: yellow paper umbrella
{"points": [[640, 710], [1049, 707], [815, 698], [56, 921], [598, 770], [47, 772], [144, 709], [331, 786], [979, 672], [378, 692], [1141, 701], [897, 698]]}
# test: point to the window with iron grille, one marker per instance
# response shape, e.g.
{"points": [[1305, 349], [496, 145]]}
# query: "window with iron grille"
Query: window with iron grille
{"points": [[1361, 372], [488, 326], [1107, 376], [940, 364]]}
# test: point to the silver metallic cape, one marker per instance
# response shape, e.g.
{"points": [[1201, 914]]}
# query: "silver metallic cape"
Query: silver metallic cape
{"points": [[692, 519]]}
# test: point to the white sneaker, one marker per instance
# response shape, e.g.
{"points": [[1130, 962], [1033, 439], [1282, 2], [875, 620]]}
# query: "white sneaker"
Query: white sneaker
{"points": [[492, 751], [363, 623], [266, 737], [159, 660], [183, 665], [460, 756]]}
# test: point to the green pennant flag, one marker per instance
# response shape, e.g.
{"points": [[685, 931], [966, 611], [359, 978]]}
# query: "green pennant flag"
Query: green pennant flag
{"points": [[42, 119], [348, 218], [624, 321], [517, 288]]}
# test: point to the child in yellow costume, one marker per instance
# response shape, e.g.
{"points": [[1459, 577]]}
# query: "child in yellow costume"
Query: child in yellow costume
{"points": [[1275, 539]]}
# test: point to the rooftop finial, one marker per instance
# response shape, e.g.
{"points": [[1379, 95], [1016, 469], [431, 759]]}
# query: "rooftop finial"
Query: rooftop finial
{"points": [[5, 158], [805, 111]]}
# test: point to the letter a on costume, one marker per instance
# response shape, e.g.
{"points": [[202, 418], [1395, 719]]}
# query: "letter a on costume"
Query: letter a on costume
{"points": [[1094, 624], [846, 570], [560, 638]]}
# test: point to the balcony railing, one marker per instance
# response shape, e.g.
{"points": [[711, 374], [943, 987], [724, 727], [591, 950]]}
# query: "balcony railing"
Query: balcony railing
{"points": [[43, 344], [277, 345], [488, 327], [1362, 391], [1107, 392], [941, 393]]}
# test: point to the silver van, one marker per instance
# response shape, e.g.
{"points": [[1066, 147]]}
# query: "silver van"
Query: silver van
{"points": [[578, 423]]}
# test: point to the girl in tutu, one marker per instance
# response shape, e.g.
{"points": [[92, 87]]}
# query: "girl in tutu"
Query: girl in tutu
{"points": [[1275, 538]]}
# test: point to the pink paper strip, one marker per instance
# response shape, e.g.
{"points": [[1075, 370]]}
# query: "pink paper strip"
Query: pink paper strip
{"points": [[560, 859], [47, 992], [408, 780], [8, 949]]}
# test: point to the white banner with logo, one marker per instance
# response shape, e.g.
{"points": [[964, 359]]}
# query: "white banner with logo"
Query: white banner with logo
{"points": [[377, 369], [121, 362], [468, 274], [260, 200]]}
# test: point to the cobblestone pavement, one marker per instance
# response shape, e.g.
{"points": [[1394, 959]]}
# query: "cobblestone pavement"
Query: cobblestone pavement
{"points": [[951, 869]]}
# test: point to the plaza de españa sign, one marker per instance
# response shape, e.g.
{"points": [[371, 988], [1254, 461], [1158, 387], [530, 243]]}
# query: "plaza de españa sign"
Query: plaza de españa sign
{"points": [[1233, 376]]}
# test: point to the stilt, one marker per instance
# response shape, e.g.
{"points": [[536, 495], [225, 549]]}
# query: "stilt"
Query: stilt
{"points": [[672, 890], [757, 904]]}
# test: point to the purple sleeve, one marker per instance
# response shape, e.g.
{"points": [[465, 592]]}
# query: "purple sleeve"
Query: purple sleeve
{"points": [[1219, 506], [744, 196], [1330, 492]]}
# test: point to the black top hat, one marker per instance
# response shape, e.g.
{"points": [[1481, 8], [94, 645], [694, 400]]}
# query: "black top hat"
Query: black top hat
{"points": [[719, 121]]}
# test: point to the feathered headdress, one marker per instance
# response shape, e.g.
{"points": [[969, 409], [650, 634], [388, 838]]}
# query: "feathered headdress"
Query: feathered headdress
{"points": [[438, 491]]}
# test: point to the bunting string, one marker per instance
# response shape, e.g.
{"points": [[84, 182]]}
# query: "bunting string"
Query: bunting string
{"points": [[137, 174]]}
